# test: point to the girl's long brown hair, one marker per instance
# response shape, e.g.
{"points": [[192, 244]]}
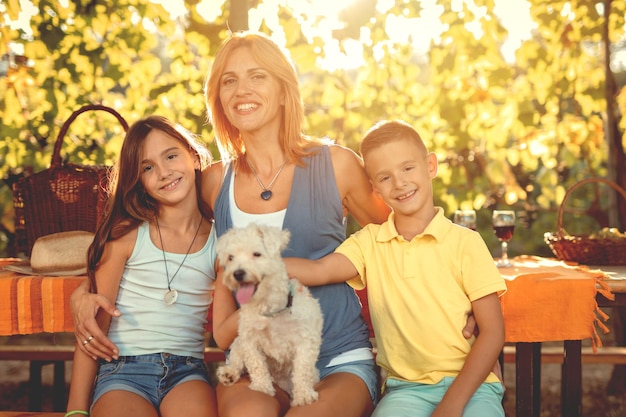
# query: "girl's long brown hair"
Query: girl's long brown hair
{"points": [[269, 56], [129, 204]]}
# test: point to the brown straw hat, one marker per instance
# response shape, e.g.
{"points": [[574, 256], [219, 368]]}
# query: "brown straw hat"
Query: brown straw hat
{"points": [[58, 254]]}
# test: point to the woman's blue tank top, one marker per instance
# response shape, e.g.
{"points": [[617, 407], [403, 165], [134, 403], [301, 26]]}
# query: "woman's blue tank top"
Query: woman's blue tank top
{"points": [[315, 220]]}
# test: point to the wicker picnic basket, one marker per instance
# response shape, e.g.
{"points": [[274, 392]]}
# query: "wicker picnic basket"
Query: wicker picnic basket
{"points": [[63, 197], [589, 250]]}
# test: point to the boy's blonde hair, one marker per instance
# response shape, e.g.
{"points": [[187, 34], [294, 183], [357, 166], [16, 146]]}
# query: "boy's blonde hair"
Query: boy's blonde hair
{"points": [[387, 131]]}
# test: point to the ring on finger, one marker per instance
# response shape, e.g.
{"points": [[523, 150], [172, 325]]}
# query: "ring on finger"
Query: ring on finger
{"points": [[89, 339], [85, 342]]}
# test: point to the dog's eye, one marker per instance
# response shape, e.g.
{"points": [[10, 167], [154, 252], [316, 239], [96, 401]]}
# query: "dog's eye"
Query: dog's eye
{"points": [[256, 254], [230, 257]]}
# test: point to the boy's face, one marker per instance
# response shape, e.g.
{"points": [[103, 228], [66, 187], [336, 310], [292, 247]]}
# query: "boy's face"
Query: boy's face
{"points": [[401, 173]]}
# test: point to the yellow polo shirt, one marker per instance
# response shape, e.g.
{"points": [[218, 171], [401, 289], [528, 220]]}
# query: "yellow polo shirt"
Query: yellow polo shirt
{"points": [[420, 293]]}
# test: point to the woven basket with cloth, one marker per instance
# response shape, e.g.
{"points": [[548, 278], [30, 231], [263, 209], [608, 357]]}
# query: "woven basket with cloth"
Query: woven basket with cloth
{"points": [[64, 197]]}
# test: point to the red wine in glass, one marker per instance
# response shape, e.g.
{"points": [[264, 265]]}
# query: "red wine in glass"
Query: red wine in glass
{"points": [[504, 226], [504, 233]]}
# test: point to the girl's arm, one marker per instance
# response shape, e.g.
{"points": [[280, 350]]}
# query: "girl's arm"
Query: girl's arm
{"points": [[108, 277], [480, 360], [83, 373], [357, 195], [330, 269]]}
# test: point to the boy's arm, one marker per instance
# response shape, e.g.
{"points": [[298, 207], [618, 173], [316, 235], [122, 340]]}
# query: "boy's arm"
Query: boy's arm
{"points": [[480, 360], [330, 269]]}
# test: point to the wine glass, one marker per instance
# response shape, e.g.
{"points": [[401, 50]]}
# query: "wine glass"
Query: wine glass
{"points": [[504, 226], [465, 218]]}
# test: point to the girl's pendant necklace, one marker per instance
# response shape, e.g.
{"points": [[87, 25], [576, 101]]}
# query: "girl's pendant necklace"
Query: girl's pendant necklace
{"points": [[266, 194], [171, 295]]}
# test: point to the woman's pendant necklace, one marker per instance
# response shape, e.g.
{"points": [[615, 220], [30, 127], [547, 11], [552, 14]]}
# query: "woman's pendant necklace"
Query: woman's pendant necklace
{"points": [[266, 194], [171, 295]]}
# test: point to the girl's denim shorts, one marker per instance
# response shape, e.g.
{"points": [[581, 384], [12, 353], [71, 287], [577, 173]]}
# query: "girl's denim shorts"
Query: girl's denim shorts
{"points": [[150, 376]]}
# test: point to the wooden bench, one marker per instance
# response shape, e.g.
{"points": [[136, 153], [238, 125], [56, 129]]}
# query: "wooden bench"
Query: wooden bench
{"points": [[53, 353], [56, 355], [615, 355]]}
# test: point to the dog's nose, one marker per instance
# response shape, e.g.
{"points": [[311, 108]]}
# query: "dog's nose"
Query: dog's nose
{"points": [[239, 275]]}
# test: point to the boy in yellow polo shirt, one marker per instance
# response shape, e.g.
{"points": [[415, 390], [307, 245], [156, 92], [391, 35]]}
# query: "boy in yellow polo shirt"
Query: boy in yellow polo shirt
{"points": [[424, 275]]}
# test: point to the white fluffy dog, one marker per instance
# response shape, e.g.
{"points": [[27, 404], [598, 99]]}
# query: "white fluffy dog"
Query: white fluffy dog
{"points": [[280, 323]]}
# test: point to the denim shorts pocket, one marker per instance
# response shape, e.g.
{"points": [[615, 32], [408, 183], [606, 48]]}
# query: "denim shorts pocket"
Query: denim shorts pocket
{"points": [[109, 368], [196, 363]]}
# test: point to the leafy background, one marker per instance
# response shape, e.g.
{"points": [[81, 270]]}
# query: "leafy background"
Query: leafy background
{"points": [[508, 134]]}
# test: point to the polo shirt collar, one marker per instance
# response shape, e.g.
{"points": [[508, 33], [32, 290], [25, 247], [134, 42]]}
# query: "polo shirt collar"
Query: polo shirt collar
{"points": [[437, 227]]}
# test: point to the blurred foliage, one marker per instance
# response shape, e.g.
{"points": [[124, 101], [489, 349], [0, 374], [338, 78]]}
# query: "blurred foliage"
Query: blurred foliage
{"points": [[507, 134]]}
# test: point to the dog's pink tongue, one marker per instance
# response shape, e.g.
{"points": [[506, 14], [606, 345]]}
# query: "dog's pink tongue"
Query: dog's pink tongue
{"points": [[244, 293]]}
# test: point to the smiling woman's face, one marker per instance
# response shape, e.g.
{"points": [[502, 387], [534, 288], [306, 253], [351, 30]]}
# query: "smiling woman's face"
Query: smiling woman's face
{"points": [[250, 95]]}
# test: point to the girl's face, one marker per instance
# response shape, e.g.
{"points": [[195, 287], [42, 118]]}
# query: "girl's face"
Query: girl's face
{"points": [[167, 169], [402, 175], [251, 97]]}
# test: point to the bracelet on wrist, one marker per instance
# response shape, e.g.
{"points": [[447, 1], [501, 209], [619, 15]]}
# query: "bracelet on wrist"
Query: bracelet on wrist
{"points": [[75, 412]]}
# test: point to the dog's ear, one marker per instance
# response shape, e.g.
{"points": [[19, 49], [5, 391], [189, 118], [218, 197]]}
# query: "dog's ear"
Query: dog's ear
{"points": [[285, 235], [274, 239]]}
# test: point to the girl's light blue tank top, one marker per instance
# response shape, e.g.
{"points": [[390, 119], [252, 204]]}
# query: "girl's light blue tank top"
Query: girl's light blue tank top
{"points": [[314, 217]]}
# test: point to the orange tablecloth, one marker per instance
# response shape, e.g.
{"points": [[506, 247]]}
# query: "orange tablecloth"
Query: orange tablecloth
{"points": [[550, 300], [35, 304]]}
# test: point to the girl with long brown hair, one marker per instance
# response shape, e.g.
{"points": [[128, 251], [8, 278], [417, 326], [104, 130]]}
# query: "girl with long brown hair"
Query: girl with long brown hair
{"points": [[152, 255]]}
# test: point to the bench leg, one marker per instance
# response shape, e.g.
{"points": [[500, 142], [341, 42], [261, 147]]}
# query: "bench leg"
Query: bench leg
{"points": [[34, 388], [59, 400]]}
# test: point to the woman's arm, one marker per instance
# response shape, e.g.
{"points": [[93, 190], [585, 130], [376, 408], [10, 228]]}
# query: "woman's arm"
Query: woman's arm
{"points": [[480, 360], [212, 178], [225, 313], [357, 195], [84, 307]]}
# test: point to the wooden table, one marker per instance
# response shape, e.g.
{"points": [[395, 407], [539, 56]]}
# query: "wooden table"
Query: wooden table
{"points": [[528, 360]]}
